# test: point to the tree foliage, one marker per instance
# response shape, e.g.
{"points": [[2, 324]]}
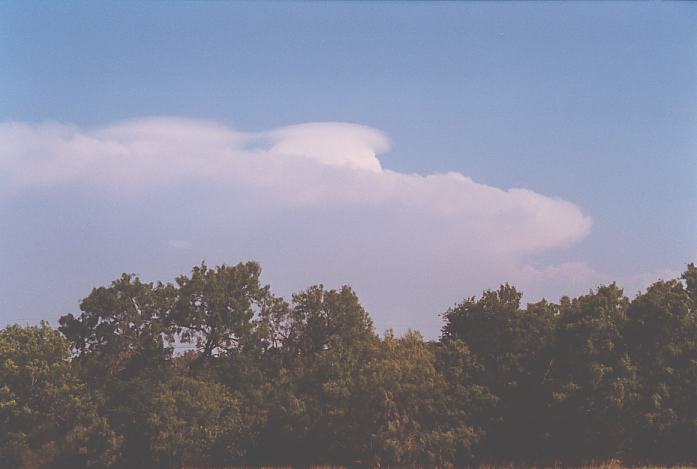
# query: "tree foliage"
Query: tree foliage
{"points": [[214, 369], [47, 416]]}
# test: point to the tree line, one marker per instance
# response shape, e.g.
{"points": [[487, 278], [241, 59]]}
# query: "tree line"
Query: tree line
{"points": [[214, 369]]}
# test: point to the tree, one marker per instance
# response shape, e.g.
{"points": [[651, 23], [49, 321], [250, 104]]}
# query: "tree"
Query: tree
{"points": [[662, 339], [592, 378], [218, 309], [47, 416], [123, 341], [329, 339], [193, 422], [264, 381], [123, 329], [512, 346], [420, 404]]}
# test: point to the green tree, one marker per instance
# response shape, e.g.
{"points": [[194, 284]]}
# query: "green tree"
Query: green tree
{"points": [[329, 339], [513, 347], [237, 327], [592, 378], [420, 404], [193, 422], [123, 340], [662, 339], [123, 329], [309, 382], [219, 310], [47, 417]]}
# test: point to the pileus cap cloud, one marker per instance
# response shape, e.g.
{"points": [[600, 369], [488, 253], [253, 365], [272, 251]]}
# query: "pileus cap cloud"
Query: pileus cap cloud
{"points": [[332, 143]]}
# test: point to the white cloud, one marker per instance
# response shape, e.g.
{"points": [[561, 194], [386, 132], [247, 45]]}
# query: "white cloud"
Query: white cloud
{"points": [[577, 278], [179, 244], [316, 164], [312, 202]]}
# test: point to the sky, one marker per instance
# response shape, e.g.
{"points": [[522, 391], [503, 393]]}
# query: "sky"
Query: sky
{"points": [[420, 152]]}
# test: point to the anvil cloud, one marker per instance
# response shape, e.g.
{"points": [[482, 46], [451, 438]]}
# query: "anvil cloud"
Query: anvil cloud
{"points": [[311, 201], [307, 165]]}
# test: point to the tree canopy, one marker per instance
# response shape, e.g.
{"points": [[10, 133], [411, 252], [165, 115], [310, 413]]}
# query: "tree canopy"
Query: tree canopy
{"points": [[214, 369]]}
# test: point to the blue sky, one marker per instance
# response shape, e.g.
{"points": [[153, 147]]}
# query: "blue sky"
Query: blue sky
{"points": [[594, 104]]}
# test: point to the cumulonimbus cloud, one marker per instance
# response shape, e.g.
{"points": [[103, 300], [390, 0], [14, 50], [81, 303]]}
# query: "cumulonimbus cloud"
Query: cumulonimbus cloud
{"points": [[311, 202], [302, 166]]}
